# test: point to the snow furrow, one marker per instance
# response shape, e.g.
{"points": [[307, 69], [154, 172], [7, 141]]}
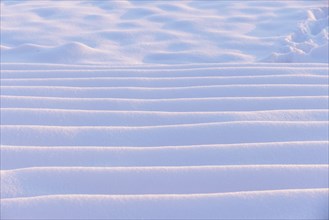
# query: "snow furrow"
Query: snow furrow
{"points": [[307, 203], [37, 181], [191, 134], [62, 66], [133, 73], [306, 152], [178, 105], [305, 79], [167, 93], [61, 117]]}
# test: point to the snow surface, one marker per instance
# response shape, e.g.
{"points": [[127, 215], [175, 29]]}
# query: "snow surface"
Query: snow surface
{"points": [[164, 109], [164, 32], [165, 142]]}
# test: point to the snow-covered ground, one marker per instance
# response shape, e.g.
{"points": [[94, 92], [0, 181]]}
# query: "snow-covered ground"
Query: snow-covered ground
{"points": [[164, 32], [164, 109]]}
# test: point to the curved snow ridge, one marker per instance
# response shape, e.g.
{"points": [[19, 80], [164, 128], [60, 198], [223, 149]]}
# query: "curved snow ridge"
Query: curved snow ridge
{"points": [[307, 204], [190, 134], [63, 117], [223, 71], [160, 180], [175, 104], [309, 43], [306, 152], [112, 66], [160, 82], [167, 93]]}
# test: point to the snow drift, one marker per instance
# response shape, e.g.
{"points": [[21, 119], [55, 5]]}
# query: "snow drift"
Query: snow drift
{"points": [[164, 109]]}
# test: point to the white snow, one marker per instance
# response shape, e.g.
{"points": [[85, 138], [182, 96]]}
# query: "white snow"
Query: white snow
{"points": [[164, 109], [162, 32], [276, 204]]}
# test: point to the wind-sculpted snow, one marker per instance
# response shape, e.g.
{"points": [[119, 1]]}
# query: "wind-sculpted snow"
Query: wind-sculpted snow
{"points": [[163, 32], [300, 152], [309, 42], [205, 133], [37, 181], [140, 109], [62, 117], [276, 204], [173, 142]]}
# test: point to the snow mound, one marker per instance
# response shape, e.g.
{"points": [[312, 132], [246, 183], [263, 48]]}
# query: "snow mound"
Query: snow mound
{"points": [[73, 52], [157, 32], [309, 43]]}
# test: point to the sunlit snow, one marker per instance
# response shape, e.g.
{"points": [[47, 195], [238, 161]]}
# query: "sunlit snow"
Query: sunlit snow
{"points": [[135, 109]]}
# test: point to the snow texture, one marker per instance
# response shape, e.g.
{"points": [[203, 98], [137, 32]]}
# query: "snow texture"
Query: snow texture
{"points": [[187, 142], [191, 109], [163, 32]]}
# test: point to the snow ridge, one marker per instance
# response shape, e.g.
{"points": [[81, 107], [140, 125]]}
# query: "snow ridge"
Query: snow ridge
{"points": [[131, 142]]}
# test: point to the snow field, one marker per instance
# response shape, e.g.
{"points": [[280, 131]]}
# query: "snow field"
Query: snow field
{"points": [[129, 109], [198, 143], [157, 32]]}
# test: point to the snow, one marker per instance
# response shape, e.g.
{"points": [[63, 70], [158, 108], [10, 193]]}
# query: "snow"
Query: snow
{"points": [[164, 109], [309, 42], [307, 204], [292, 152], [161, 32]]}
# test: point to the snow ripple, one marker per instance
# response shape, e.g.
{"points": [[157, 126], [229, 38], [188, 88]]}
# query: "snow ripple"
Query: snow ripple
{"points": [[199, 141]]}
